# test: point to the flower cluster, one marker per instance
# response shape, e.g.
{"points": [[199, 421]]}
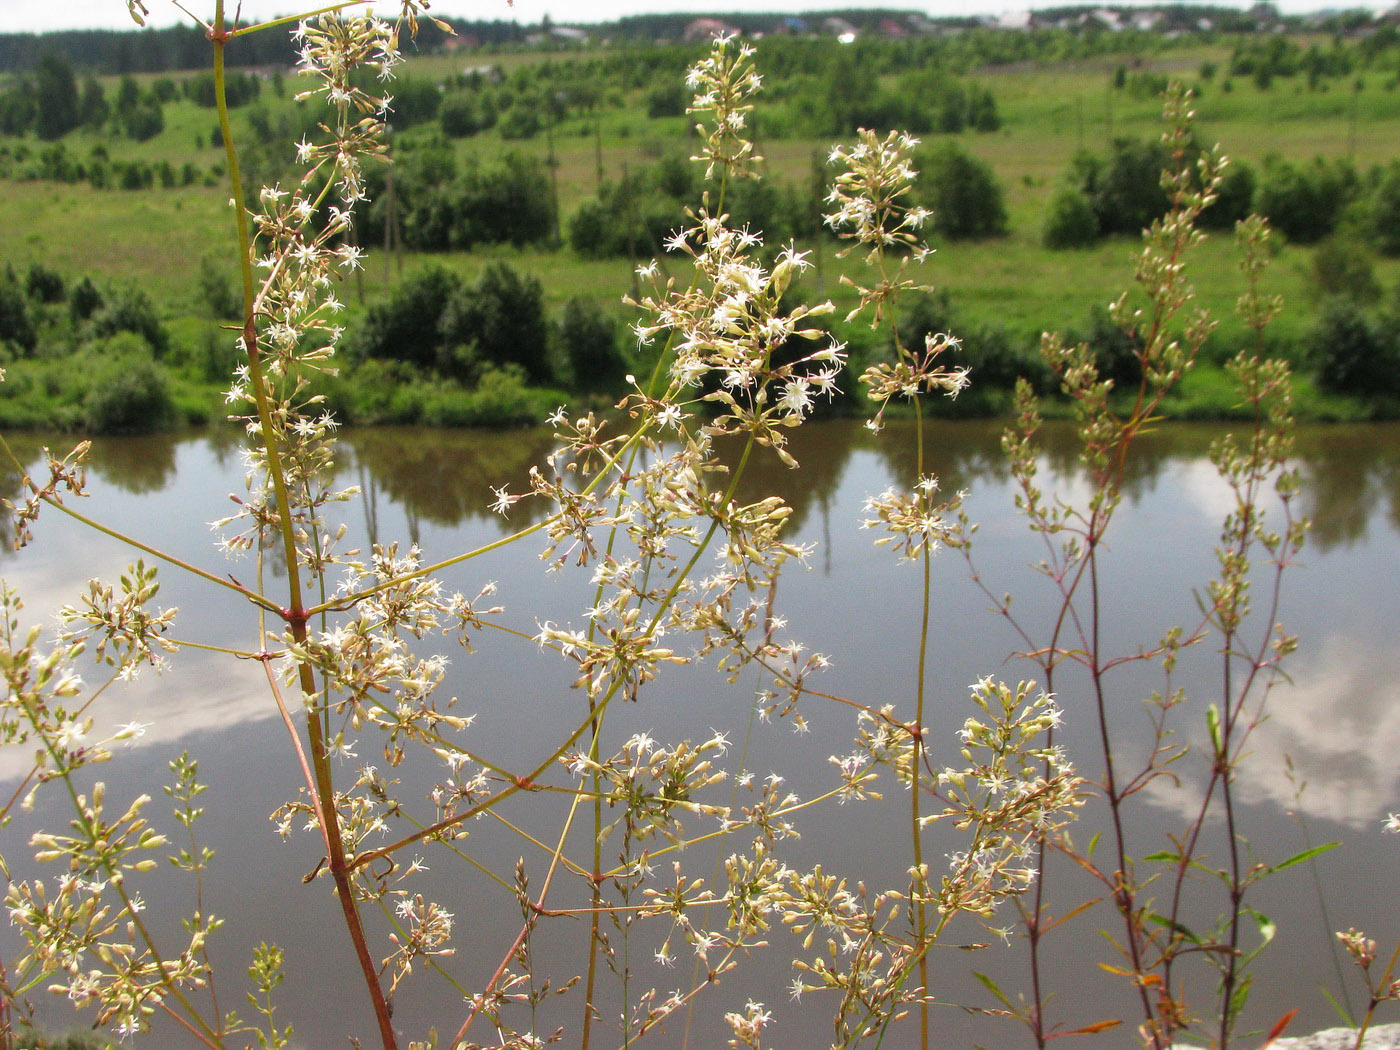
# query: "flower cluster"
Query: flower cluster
{"points": [[1013, 792]]}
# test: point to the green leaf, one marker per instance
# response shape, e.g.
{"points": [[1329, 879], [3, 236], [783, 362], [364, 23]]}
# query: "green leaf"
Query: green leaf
{"points": [[1343, 1012], [991, 986], [1174, 926], [1213, 726], [1298, 858], [1165, 855]]}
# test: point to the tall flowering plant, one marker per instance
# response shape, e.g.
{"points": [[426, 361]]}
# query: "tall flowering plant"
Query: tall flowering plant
{"points": [[680, 569]]}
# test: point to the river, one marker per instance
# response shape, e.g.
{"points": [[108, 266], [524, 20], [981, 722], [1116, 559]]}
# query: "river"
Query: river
{"points": [[1323, 766]]}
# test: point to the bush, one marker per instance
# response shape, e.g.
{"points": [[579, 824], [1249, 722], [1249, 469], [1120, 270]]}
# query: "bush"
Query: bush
{"points": [[128, 393], [131, 310], [459, 114], [17, 330], [1343, 268], [588, 343], [502, 317], [218, 295], [521, 121], [1304, 203], [143, 122], [499, 399], [963, 194], [1125, 190], [1070, 221], [406, 325], [84, 300], [1352, 353], [43, 285], [1116, 352], [1234, 198], [1385, 211], [415, 102], [667, 99]]}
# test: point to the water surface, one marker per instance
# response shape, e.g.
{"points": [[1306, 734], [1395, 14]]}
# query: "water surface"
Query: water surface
{"points": [[1323, 766]]}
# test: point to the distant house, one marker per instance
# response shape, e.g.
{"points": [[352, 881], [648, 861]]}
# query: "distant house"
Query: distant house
{"points": [[839, 27], [1013, 20], [708, 29], [569, 34], [489, 73], [892, 29]]}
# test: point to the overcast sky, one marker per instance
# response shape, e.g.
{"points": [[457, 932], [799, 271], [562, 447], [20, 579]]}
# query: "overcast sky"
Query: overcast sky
{"points": [[40, 15]]}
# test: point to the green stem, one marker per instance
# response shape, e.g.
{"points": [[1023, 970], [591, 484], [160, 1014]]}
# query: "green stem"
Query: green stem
{"points": [[295, 615]]}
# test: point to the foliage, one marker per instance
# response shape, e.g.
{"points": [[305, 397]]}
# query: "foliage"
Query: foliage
{"points": [[130, 310], [406, 325], [1304, 202], [500, 319], [1343, 267], [17, 332], [1070, 221], [128, 392], [1124, 190], [1385, 211], [437, 207], [1234, 198], [962, 193], [1354, 353], [56, 98], [679, 566], [588, 342]]}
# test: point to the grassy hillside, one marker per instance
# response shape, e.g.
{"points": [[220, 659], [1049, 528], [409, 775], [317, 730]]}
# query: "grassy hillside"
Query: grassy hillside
{"points": [[598, 132]]}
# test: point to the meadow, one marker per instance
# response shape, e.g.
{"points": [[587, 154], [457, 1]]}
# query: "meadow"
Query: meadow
{"points": [[597, 133], [637, 833]]}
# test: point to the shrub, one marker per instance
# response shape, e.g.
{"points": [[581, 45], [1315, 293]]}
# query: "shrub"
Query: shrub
{"points": [[84, 300], [502, 317], [962, 193], [1070, 221], [1234, 199], [1385, 211], [406, 324], [128, 393], [144, 121], [1304, 202], [130, 310], [43, 285], [588, 344], [667, 99], [217, 294], [17, 331], [460, 115], [520, 121], [1343, 268], [1352, 353], [1125, 189]]}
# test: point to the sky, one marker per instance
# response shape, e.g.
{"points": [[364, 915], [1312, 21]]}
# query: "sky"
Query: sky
{"points": [[41, 15]]}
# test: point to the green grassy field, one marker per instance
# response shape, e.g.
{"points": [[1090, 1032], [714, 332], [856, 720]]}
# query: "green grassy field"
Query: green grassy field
{"points": [[155, 238]]}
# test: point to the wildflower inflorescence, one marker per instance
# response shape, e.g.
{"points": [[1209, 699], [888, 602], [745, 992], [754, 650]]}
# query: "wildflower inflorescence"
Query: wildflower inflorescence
{"points": [[682, 571]]}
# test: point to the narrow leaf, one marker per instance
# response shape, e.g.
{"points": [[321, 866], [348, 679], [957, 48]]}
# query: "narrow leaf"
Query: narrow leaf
{"points": [[991, 986], [1065, 918], [1165, 856], [1307, 854], [1088, 1029], [1277, 1029]]}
